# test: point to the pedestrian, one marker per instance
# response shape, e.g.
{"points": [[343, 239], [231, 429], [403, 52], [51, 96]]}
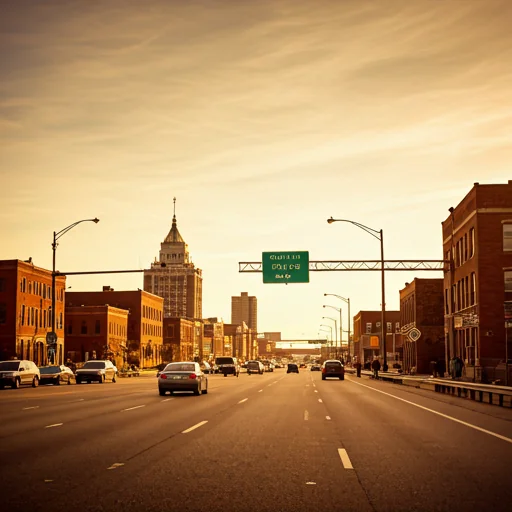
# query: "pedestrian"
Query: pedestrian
{"points": [[376, 368], [358, 368], [440, 368], [458, 366]]}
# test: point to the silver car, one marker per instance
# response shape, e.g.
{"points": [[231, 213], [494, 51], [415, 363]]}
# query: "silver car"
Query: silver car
{"points": [[182, 376]]}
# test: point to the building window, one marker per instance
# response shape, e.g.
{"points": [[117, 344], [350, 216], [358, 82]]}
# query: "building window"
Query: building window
{"points": [[3, 313], [83, 328], [508, 283], [471, 242], [507, 237], [97, 327], [70, 328]]}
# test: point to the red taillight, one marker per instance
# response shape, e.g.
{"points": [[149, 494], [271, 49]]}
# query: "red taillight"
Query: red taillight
{"points": [[323, 370], [192, 376], [163, 376]]}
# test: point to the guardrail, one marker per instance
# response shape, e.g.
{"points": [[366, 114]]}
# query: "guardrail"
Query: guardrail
{"points": [[486, 393]]}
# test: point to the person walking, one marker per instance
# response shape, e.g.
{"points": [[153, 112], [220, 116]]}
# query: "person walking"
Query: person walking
{"points": [[376, 368], [358, 366]]}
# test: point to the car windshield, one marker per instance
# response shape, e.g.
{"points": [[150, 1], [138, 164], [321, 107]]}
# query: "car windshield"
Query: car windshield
{"points": [[224, 360], [49, 369], [10, 366], [333, 363], [95, 365], [292, 366], [180, 367]]}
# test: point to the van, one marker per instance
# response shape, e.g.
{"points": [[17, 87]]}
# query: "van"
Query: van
{"points": [[228, 365]]}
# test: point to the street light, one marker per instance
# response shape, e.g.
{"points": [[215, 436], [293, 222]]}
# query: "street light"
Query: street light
{"points": [[379, 235], [335, 333], [347, 300], [325, 330], [341, 326], [56, 236]]}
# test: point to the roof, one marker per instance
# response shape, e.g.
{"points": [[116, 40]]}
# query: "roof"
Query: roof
{"points": [[174, 235]]}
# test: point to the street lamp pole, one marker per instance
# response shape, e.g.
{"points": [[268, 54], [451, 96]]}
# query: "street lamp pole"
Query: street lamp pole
{"points": [[379, 235], [335, 333], [56, 236], [347, 300], [341, 326], [330, 327]]}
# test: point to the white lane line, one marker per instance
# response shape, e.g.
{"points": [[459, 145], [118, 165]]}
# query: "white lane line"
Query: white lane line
{"points": [[132, 408], [307, 385], [244, 400], [499, 436], [197, 425], [79, 400], [260, 390], [167, 399], [314, 385], [316, 390], [306, 415], [33, 407], [116, 465], [345, 459], [320, 400], [54, 425], [327, 417]]}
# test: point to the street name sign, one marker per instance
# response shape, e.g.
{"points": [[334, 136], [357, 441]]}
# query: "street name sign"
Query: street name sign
{"points": [[285, 267]]}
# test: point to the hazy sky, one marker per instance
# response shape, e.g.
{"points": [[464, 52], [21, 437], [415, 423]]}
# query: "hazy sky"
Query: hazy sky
{"points": [[263, 118]]}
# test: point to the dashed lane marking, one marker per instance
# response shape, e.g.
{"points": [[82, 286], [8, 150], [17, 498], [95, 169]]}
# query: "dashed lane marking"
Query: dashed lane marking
{"points": [[27, 408], [480, 429], [197, 425], [132, 408], [260, 390], [345, 459], [116, 465], [316, 390], [327, 417], [244, 400], [167, 399], [306, 415], [320, 400], [54, 425]]}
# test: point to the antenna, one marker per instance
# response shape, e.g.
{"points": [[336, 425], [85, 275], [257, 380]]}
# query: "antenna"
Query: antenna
{"points": [[174, 207]]}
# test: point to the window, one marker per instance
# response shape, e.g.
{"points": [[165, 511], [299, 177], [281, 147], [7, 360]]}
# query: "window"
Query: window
{"points": [[23, 314], [97, 327], [473, 289], [3, 313], [70, 328], [507, 237], [368, 327], [471, 242], [83, 328], [508, 283]]}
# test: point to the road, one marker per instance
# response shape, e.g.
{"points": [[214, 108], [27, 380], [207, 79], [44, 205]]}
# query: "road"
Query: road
{"points": [[273, 442]]}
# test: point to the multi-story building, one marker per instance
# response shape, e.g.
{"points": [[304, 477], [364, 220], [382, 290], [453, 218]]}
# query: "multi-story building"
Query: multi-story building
{"points": [[179, 334], [367, 334], [214, 333], [245, 309], [96, 332], [477, 240], [25, 312], [421, 307], [175, 278], [145, 320]]}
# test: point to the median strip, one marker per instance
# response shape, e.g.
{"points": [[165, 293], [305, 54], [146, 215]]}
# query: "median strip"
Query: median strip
{"points": [[200, 424]]}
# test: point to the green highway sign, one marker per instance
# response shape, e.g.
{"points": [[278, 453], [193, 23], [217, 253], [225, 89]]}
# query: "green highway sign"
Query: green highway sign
{"points": [[285, 267]]}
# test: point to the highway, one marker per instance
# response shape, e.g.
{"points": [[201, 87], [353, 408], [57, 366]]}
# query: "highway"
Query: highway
{"points": [[273, 442]]}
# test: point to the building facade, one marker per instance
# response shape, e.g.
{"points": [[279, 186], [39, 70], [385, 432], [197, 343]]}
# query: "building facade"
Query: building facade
{"points": [[421, 307], [96, 332], [477, 241], [145, 320], [25, 313], [175, 278], [213, 338], [245, 309], [179, 335]]}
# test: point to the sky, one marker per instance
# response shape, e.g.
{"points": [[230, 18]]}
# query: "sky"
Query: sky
{"points": [[263, 119]]}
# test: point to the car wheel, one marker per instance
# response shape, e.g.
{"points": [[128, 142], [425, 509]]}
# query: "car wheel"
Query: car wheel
{"points": [[198, 390], [15, 384], [342, 377], [323, 378], [78, 381], [161, 392], [35, 382], [205, 391], [102, 379], [57, 381], [69, 381], [114, 378]]}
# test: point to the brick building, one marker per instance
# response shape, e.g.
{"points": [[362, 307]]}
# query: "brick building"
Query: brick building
{"points": [[145, 320], [213, 338], [421, 306], [25, 312], [367, 334], [245, 309], [179, 336], [96, 332], [477, 240]]}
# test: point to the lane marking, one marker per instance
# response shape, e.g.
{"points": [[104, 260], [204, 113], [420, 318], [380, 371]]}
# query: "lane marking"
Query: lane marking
{"points": [[197, 425], [48, 481], [310, 483], [244, 400], [79, 400], [167, 399], [499, 436], [345, 459], [260, 390], [306, 415], [54, 425], [327, 417], [314, 385], [132, 408], [27, 408], [316, 390], [320, 400], [116, 465], [307, 385]]}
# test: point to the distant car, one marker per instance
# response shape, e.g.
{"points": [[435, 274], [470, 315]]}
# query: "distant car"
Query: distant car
{"points": [[255, 367], [269, 367], [292, 368], [19, 372], [56, 374], [333, 368], [228, 365], [182, 376], [205, 367], [316, 367], [96, 371]]}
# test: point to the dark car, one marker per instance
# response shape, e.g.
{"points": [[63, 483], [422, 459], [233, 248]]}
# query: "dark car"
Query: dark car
{"points": [[56, 375], [292, 368], [183, 376], [333, 368], [96, 371], [228, 365]]}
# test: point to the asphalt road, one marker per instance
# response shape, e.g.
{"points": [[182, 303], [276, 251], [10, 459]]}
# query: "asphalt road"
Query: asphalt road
{"points": [[272, 442]]}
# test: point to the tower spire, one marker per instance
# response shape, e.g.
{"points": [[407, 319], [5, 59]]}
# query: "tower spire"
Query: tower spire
{"points": [[174, 209]]}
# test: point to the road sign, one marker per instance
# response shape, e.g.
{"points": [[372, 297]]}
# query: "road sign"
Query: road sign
{"points": [[285, 267], [414, 334], [51, 338]]}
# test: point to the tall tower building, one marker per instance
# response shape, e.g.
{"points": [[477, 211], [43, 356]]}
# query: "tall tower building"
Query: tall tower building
{"points": [[175, 278], [245, 309]]}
